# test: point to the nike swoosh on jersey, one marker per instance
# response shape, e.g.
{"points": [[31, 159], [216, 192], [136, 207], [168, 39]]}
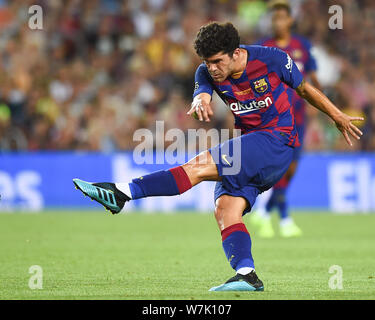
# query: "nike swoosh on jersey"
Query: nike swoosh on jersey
{"points": [[224, 157]]}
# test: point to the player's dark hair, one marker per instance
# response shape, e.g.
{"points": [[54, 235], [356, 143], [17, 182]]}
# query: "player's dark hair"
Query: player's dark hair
{"points": [[215, 37]]}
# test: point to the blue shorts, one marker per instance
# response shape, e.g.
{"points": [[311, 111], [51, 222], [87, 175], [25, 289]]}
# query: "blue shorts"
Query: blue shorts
{"points": [[261, 161]]}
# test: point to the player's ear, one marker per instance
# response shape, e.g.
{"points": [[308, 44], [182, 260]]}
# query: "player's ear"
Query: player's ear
{"points": [[236, 53]]}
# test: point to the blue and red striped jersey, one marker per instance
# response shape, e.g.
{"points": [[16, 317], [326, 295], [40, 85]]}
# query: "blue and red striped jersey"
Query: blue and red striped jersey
{"points": [[258, 98], [299, 49]]}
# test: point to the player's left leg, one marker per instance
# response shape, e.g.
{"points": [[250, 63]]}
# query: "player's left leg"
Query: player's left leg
{"points": [[170, 182]]}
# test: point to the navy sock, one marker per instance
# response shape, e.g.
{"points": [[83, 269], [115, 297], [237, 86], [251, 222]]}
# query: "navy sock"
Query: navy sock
{"points": [[160, 183], [271, 202], [237, 246], [280, 202]]}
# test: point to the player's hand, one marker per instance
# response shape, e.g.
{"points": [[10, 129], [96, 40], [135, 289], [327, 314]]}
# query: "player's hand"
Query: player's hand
{"points": [[345, 125], [200, 110]]}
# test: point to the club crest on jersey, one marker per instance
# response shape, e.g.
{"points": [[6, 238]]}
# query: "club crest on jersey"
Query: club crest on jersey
{"points": [[260, 85]]}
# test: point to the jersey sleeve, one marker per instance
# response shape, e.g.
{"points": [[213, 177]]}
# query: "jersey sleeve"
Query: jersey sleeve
{"points": [[286, 68], [202, 81]]}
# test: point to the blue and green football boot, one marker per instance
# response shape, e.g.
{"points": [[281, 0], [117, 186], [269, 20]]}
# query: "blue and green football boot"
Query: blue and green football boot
{"points": [[248, 282], [105, 193]]}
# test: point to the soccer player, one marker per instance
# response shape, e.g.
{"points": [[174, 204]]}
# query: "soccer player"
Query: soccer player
{"points": [[299, 49], [253, 82]]}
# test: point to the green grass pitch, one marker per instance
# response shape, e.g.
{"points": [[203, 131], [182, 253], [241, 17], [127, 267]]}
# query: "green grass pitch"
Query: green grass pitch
{"points": [[93, 255]]}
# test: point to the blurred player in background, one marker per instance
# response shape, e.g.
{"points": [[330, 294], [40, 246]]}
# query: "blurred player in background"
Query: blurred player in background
{"points": [[299, 49]]}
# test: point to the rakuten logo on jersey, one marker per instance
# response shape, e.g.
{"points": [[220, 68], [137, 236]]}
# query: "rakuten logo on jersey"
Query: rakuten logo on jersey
{"points": [[238, 107]]}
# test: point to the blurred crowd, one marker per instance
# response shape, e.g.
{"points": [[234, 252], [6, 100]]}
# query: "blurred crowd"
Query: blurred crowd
{"points": [[101, 69]]}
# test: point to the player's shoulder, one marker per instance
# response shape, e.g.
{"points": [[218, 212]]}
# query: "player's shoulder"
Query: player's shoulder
{"points": [[202, 70], [202, 67]]}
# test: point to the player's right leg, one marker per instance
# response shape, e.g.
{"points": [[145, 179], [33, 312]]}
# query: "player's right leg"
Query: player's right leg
{"points": [[170, 182]]}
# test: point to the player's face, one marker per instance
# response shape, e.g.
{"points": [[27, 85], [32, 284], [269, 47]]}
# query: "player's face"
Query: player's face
{"points": [[281, 22], [221, 65]]}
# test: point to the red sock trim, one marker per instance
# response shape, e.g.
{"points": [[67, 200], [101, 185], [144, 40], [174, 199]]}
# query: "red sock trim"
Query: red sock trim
{"points": [[181, 178], [233, 228], [283, 183]]}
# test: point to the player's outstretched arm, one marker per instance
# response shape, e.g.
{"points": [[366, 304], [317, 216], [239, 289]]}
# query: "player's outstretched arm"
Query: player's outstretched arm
{"points": [[320, 101], [201, 107]]}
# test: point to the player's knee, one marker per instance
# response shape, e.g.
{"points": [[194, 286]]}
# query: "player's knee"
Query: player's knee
{"points": [[229, 210], [195, 170], [201, 168], [222, 207]]}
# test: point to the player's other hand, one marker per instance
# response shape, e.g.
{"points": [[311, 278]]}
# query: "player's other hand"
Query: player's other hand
{"points": [[345, 125], [200, 110]]}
